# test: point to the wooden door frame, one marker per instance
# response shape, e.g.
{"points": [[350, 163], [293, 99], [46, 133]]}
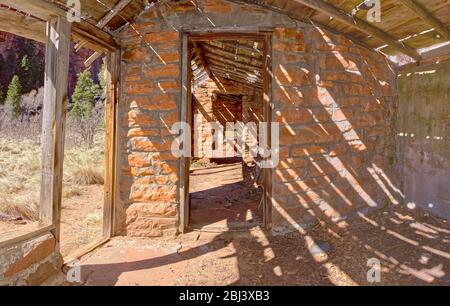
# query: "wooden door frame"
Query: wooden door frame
{"points": [[186, 113]]}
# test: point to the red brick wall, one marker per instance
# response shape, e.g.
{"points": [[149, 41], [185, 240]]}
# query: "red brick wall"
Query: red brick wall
{"points": [[335, 103]]}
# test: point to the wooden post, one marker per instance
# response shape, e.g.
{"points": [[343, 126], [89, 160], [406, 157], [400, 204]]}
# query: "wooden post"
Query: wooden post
{"points": [[54, 118], [186, 101], [112, 98]]}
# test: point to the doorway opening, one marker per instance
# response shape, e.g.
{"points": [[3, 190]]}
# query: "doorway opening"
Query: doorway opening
{"points": [[225, 102]]}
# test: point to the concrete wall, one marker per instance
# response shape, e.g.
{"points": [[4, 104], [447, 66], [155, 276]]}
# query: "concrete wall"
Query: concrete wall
{"points": [[424, 134], [336, 103]]}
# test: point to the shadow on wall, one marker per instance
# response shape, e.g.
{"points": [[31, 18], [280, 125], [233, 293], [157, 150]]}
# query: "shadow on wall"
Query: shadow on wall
{"points": [[424, 129], [336, 104]]}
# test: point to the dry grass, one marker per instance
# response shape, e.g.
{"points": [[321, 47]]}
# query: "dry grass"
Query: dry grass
{"points": [[20, 175]]}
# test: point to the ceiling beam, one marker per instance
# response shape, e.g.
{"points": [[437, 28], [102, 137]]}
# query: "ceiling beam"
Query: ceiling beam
{"points": [[107, 18], [230, 44], [204, 63], [427, 17], [113, 13], [234, 68], [235, 73], [21, 25], [239, 80], [208, 56], [437, 55], [231, 55], [359, 24], [98, 39]]}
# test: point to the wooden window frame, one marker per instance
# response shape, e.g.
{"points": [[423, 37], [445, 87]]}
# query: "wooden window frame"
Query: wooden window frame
{"points": [[58, 39]]}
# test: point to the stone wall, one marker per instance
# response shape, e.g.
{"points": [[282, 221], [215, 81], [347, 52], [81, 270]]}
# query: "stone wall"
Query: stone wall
{"points": [[207, 104], [335, 102], [423, 139], [30, 263]]}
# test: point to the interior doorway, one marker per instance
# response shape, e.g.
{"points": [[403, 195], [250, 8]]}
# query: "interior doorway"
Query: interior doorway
{"points": [[226, 99]]}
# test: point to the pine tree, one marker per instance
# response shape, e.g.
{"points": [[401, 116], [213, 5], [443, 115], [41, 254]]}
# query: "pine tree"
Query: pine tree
{"points": [[14, 96], [84, 95], [25, 63]]}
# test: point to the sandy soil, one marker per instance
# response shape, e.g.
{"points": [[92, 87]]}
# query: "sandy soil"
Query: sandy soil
{"points": [[223, 196], [81, 219], [413, 249]]}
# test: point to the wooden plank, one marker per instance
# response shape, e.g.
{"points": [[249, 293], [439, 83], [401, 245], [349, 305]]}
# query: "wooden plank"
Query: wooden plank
{"points": [[83, 30], [108, 17], [427, 17], [112, 13], [231, 55], [267, 114], [21, 25], [25, 234], [360, 25], [95, 56], [85, 250], [53, 119], [231, 75], [111, 112], [440, 54], [186, 97]]}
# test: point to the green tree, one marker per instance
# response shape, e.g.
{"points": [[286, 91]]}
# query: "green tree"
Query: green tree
{"points": [[30, 68], [25, 63], [14, 96], [84, 95]]}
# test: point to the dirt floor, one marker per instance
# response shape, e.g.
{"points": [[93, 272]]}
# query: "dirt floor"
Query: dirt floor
{"points": [[81, 219], [413, 248], [224, 196]]}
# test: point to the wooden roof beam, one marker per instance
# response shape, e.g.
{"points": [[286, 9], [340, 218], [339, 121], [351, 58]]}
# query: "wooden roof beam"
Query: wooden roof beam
{"points": [[199, 51], [427, 17], [239, 80], [97, 39], [360, 25], [208, 56], [107, 18], [122, 4], [238, 74], [21, 25], [231, 55]]}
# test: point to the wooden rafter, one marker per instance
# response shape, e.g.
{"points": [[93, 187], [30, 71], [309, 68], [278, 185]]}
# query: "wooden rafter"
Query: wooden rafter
{"points": [[427, 17], [360, 25], [113, 13], [230, 55], [21, 25], [107, 18], [96, 38], [437, 55], [203, 63]]}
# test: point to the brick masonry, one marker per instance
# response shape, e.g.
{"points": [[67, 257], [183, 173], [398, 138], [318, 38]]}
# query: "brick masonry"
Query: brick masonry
{"points": [[335, 102], [30, 263], [209, 106]]}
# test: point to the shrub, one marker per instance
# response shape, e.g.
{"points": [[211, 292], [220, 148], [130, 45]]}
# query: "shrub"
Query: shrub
{"points": [[14, 96]]}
